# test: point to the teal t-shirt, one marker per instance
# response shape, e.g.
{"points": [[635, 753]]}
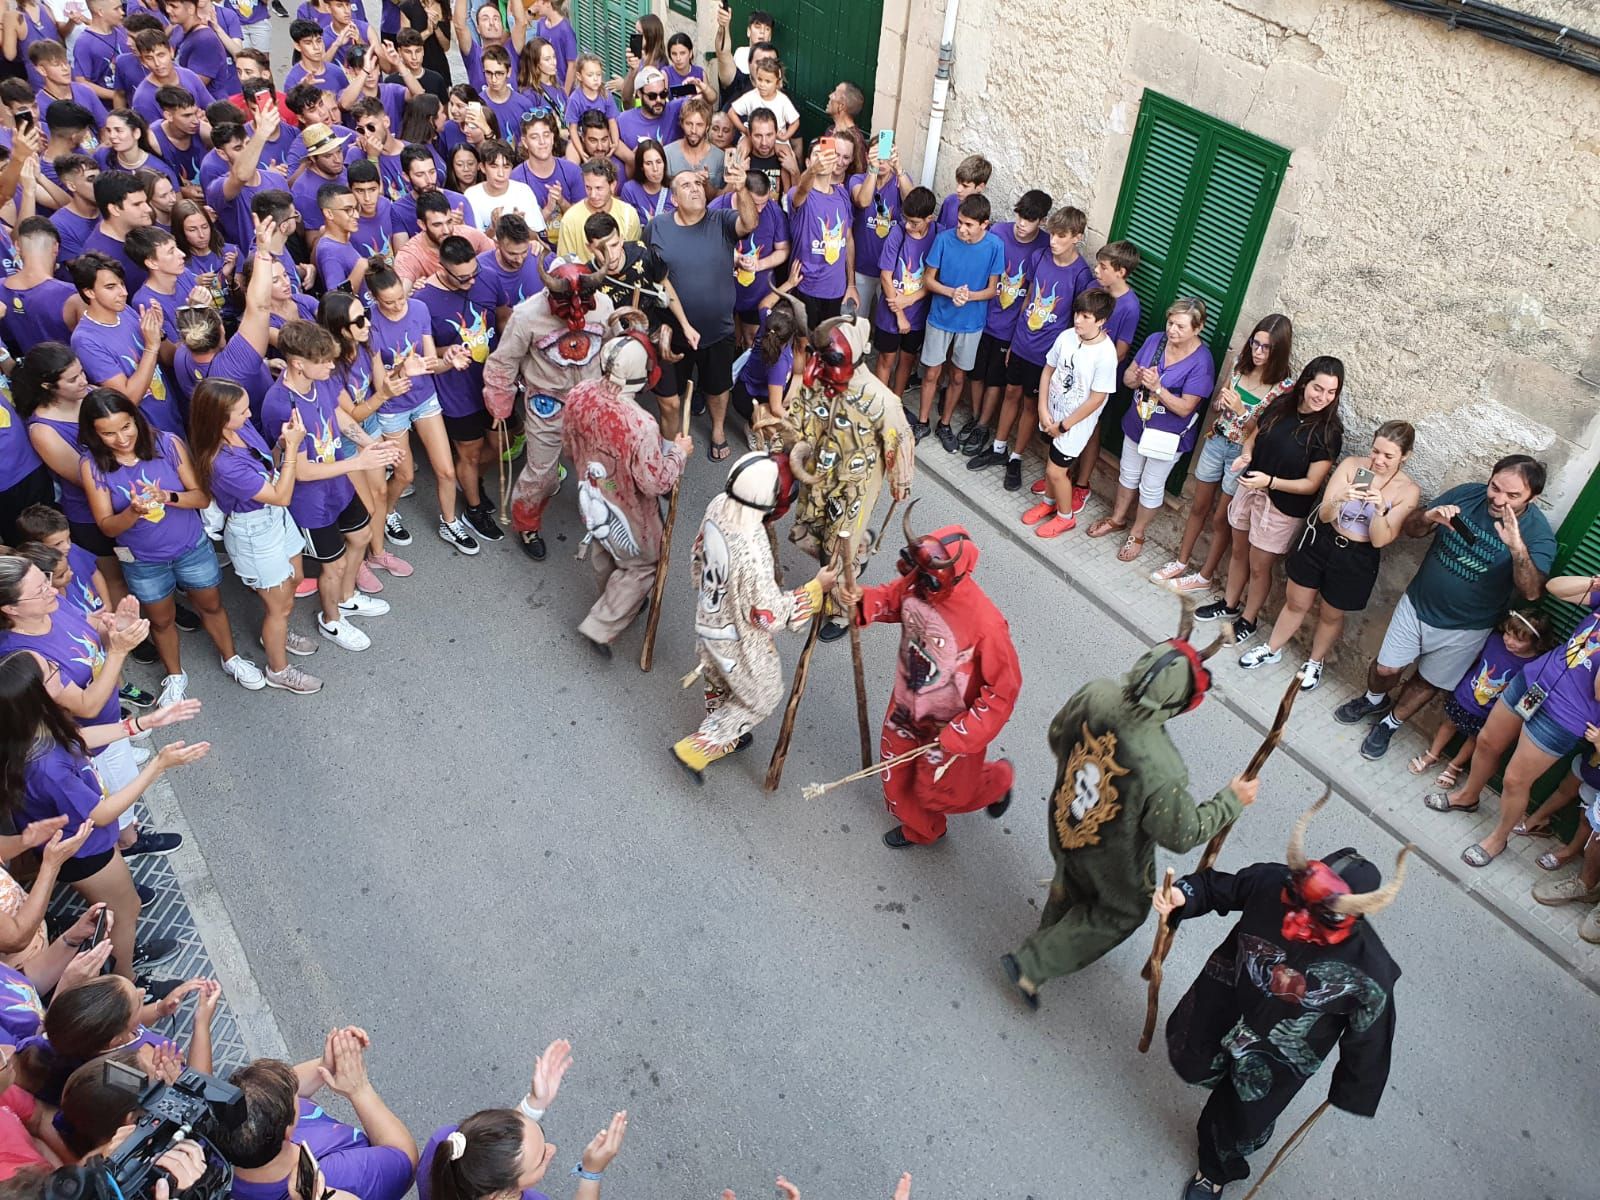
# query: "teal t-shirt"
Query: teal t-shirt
{"points": [[1463, 585]]}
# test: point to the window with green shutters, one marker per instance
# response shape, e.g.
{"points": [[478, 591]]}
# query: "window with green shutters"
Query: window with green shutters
{"points": [[1577, 553], [603, 27], [1196, 197], [686, 7], [823, 42]]}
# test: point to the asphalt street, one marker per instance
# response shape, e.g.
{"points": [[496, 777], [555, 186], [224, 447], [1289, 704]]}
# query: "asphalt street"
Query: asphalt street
{"points": [[474, 841]]}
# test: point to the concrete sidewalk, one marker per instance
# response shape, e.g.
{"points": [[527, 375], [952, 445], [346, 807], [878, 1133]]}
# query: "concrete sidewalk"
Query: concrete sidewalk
{"points": [[1384, 790]]}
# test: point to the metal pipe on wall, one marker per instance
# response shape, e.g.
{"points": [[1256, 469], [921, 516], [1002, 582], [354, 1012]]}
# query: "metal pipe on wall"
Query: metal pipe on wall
{"points": [[941, 92]]}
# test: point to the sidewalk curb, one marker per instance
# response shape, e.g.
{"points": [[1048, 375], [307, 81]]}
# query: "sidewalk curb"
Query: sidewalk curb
{"points": [[251, 1012], [933, 467]]}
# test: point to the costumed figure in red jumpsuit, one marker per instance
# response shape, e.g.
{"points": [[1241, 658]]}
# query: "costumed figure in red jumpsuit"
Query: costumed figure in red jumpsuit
{"points": [[551, 342], [956, 682]]}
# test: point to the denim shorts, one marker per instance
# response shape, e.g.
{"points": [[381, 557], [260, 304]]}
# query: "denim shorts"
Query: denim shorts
{"points": [[261, 545], [1212, 463], [401, 421], [195, 568], [1541, 728]]}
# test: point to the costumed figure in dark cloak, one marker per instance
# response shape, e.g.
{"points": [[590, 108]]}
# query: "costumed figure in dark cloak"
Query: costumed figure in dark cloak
{"points": [[956, 682], [1121, 789], [1301, 972], [551, 342], [625, 467], [739, 607]]}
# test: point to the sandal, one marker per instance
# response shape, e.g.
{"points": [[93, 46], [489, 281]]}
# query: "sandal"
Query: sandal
{"points": [[1476, 856], [1131, 549], [718, 451], [1106, 525], [1551, 860], [1440, 802], [1521, 830], [1422, 762], [1447, 777]]}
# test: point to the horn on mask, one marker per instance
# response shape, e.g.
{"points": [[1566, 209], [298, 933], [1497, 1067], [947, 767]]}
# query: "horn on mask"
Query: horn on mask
{"points": [[553, 284], [1225, 636], [590, 282], [1185, 617], [819, 336], [1295, 856], [934, 562], [1365, 904], [799, 310], [799, 464], [627, 317]]}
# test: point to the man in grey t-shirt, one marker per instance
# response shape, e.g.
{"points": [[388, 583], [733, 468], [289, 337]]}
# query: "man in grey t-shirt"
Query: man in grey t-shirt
{"points": [[694, 151], [697, 246]]}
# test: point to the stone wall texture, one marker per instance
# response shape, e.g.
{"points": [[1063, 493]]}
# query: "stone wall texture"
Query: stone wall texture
{"points": [[1437, 229]]}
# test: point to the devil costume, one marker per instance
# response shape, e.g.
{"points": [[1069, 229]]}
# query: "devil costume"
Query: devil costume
{"points": [[1121, 788], [740, 605], [551, 342], [624, 467], [1300, 973], [956, 682]]}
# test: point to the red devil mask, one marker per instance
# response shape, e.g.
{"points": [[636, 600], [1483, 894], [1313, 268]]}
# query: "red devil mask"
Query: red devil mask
{"points": [[832, 361], [1309, 915], [937, 562], [571, 290]]}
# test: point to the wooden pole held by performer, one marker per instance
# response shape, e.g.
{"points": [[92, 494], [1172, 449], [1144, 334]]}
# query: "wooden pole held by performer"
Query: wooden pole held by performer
{"points": [[653, 622], [1153, 969], [848, 543], [1295, 1139], [780, 752]]}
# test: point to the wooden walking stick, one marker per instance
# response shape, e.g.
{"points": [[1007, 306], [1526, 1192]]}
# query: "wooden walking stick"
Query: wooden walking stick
{"points": [[648, 654], [780, 752], [1163, 940], [1295, 1139], [848, 544]]}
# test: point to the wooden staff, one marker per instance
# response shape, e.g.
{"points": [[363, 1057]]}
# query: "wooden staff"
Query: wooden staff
{"points": [[780, 752], [1163, 940], [648, 654], [505, 448], [1295, 1139], [849, 572], [812, 790]]}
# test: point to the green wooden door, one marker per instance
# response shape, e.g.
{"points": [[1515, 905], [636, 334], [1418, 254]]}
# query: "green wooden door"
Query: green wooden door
{"points": [[821, 43], [1196, 197], [603, 27]]}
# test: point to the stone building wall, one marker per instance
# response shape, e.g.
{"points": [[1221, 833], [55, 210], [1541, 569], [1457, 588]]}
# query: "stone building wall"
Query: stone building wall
{"points": [[1437, 228]]}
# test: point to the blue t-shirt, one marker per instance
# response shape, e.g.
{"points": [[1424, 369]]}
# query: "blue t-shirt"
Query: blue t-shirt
{"points": [[966, 263]]}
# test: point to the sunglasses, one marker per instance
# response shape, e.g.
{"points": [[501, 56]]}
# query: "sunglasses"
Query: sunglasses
{"points": [[358, 320], [654, 95]]}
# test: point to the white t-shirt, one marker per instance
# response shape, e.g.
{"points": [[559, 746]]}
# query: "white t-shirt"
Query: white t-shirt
{"points": [[518, 198], [782, 107], [1079, 370]]}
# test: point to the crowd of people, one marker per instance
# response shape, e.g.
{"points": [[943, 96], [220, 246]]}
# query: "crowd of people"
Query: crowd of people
{"points": [[242, 297]]}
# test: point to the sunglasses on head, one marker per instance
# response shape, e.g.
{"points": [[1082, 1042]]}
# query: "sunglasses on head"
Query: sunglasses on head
{"points": [[533, 114]]}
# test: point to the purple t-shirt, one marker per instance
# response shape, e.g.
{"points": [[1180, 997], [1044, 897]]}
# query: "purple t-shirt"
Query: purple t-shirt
{"points": [[579, 103], [647, 206], [21, 1011], [316, 503], [375, 234], [1124, 322], [238, 362], [94, 55], [818, 230], [80, 95], [425, 1165], [81, 593], [73, 645], [164, 534], [234, 215], [472, 59], [335, 261], [249, 12], [949, 211], [42, 30], [903, 257], [110, 350], [73, 502], [1193, 375], [1049, 306], [18, 459], [297, 148], [509, 112], [74, 231], [1495, 669], [36, 314], [144, 96], [390, 177], [129, 71], [184, 160], [460, 318], [202, 52], [567, 176], [757, 376], [366, 1171], [305, 189], [167, 302], [1567, 674], [499, 286], [772, 229], [874, 221], [239, 473], [563, 40], [58, 781], [635, 125], [107, 159], [102, 242], [390, 339]]}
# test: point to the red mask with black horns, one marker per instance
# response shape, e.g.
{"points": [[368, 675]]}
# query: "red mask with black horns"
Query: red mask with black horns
{"points": [[572, 290], [937, 562], [833, 359]]}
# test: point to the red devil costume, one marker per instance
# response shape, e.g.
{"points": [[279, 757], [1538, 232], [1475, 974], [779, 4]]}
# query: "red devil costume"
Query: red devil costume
{"points": [[1302, 972], [956, 682], [551, 342]]}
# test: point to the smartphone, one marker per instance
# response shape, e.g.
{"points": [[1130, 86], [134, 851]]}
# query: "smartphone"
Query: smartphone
{"points": [[683, 89], [636, 44], [885, 144], [305, 1175], [724, 5], [1364, 477], [24, 121], [1464, 530], [99, 934], [825, 144]]}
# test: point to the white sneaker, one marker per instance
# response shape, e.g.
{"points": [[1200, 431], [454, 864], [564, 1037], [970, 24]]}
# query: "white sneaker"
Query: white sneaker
{"points": [[363, 605], [1172, 570], [344, 635], [409, 490], [455, 533], [1259, 656], [1310, 675], [245, 673], [173, 689]]}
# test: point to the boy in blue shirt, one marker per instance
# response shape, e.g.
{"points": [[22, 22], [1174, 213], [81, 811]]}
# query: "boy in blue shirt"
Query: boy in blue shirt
{"points": [[962, 273]]}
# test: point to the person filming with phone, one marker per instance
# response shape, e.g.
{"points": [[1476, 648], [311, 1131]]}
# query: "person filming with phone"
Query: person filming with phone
{"points": [[1489, 545]]}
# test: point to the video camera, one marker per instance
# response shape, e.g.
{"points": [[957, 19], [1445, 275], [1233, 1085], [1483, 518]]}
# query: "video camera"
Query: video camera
{"points": [[189, 1109]]}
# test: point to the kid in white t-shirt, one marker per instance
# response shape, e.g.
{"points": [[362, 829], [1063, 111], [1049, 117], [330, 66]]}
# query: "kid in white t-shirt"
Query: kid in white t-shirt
{"points": [[767, 93], [1080, 373]]}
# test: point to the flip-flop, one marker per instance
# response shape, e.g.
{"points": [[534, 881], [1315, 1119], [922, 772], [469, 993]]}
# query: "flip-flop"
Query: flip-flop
{"points": [[1549, 861], [1131, 549], [1104, 526], [717, 451], [1520, 829], [1476, 856], [1440, 802]]}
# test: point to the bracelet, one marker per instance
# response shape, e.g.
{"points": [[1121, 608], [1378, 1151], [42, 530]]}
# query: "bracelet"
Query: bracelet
{"points": [[1272, 481], [528, 1110], [582, 1174]]}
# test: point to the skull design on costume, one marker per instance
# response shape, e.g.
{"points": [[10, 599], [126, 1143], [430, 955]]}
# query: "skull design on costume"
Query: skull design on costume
{"points": [[714, 573]]}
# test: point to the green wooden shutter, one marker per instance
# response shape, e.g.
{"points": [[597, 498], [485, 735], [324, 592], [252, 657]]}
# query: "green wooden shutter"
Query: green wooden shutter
{"points": [[1196, 197], [686, 7], [821, 43], [603, 27], [1577, 553]]}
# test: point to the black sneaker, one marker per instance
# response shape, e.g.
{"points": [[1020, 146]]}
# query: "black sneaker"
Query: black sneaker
{"points": [[187, 619], [154, 950], [278, 8], [144, 653], [1243, 631], [919, 430], [455, 533], [1218, 609], [532, 545], [947, 437], [136, 697], [156, 990], [395, 531], [1358, 708], [483, 524], [974, 438], [987, 457], [1013, 474], [147, 894], [153, 843], [487, 503], [1376, 744]]}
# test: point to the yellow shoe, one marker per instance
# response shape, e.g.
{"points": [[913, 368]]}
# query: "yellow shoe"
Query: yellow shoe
{"points": [[695, 756]]}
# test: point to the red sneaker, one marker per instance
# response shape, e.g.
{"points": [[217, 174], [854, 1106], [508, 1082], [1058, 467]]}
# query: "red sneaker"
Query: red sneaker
{"points": [[1056, 526], [1039, 512], [1038, 487], [306, 587], [1080, 497]]}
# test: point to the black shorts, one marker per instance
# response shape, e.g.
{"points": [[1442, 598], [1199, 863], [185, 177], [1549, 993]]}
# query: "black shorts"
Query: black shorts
{"points": [[892, 341], [817, 310], [470, 428], [1058, 459], [75, 870], [1338, 569], [989, 368], [1024, 374], [88, 536], [326, 543], [711, 367], [36, 487], [750, 316]]}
